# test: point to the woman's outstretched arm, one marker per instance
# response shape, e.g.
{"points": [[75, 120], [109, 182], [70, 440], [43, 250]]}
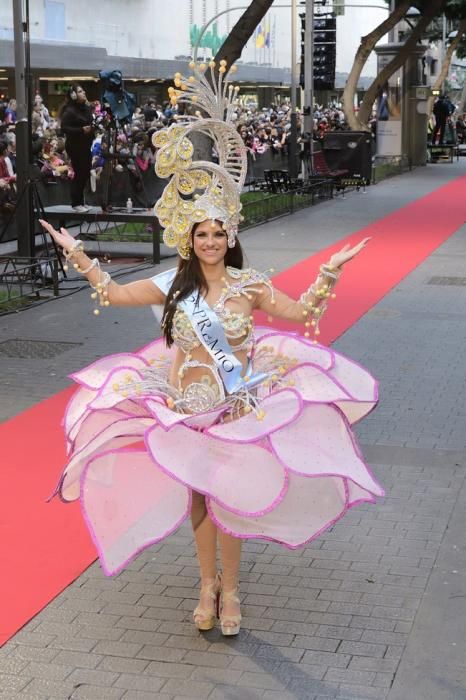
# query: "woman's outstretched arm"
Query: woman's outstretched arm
{"points": [[140, 293], [313, 302]]}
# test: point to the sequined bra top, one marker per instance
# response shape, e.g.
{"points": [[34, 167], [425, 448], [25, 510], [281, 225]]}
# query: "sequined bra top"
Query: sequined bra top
{"points": [[238, 326]]}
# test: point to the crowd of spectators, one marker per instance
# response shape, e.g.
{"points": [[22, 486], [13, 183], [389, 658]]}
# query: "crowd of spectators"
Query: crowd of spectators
{"points": [[261, 130]]}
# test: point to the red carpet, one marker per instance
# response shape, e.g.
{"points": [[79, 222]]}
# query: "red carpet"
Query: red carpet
{"points": [[46, 546]]}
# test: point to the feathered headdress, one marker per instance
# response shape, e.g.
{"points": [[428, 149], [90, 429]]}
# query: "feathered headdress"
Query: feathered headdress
{"points": [[200, 190]]}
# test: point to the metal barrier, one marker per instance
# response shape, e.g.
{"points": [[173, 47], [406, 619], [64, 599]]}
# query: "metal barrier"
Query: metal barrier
{"points": [[23, 278]]}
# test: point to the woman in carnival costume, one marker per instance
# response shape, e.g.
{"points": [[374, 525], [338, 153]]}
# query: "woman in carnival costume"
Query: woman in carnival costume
{"points": [[244, 429]]}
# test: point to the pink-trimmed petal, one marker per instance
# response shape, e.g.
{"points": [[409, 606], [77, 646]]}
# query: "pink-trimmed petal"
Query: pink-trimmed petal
{"points": [[314, 384], [164, 415], [94, 375], [77, 407], [133, 407], [280, 408], [126, 431], [157, 351], [359, 384], [112, 391], [295, 347], [311, 505], [355, 410], [201, 421], [356, 494], [93, 424], [167, 417], [244, 478], [320, 443], [129, 504]]}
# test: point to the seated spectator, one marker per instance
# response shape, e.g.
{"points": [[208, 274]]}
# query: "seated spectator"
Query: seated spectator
{"points": [[461, 128], [7, 182], [10, 113]]}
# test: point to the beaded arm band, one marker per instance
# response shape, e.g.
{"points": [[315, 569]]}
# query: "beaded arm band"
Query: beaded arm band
{"points": [[100, 292], [319, 291], [100, 289]]}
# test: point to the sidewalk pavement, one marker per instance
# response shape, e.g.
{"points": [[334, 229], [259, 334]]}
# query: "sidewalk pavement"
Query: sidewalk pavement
{"points": [[375, 608]]}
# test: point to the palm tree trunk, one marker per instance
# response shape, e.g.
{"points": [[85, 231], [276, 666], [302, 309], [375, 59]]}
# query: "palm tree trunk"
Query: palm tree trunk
{"points": [[447, 62], [398, 60], [366, 46]]}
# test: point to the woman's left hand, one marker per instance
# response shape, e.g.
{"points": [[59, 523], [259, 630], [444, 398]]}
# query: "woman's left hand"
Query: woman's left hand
{"points": [[347, 253]]}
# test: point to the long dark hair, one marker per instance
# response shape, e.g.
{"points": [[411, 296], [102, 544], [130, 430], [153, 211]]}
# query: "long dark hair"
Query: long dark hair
{"points": [[69, 100], [189, 278]]}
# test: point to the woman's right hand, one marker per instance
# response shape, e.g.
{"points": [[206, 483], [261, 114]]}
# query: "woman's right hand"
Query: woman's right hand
{"points": [[62, 238]]}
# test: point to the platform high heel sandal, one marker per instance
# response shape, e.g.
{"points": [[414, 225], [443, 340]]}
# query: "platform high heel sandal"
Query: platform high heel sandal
{"points": [[205, 619], [230, 624]]}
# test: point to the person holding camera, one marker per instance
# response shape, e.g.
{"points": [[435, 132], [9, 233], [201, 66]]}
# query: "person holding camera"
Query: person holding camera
{"points": [[76, 124]]}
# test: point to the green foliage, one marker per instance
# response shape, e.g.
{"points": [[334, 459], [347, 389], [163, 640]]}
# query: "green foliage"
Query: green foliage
{"points": [[211, 39]]}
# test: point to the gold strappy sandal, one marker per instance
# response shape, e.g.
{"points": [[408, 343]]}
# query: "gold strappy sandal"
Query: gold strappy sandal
{"points": [[205, 619], [230, 624]]}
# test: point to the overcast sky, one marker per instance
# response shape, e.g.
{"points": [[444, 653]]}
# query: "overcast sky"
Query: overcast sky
{"points": [[355, 23]]}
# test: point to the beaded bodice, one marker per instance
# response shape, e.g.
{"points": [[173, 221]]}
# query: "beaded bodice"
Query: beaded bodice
{"points": [[237, 325]]}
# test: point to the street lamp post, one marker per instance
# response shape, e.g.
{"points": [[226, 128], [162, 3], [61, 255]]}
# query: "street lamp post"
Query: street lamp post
{"points": [[308, 115], [24, 219], [293, 149]]}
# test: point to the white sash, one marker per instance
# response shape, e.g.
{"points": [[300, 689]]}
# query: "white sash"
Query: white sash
{"points": [[209, 330]]}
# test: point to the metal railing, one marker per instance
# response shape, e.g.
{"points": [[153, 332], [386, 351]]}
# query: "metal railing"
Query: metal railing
{"points": [[25, 278]]}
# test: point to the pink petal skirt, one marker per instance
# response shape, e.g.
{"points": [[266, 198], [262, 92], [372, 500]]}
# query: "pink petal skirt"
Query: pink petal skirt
{"points": [[133, 462]]}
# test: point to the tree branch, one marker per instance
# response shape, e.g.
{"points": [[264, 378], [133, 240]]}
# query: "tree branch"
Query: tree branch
{"points": [[398, 60], [447, 62], [366, 46]]}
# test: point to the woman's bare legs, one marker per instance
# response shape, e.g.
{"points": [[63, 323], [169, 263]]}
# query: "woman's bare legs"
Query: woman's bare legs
{"points": [[205, 534], [230, 555]]}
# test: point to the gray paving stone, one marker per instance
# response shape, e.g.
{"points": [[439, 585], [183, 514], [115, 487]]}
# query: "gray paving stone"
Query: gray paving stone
{"points": [[160, 653], [138, 682], [226, 692], [327, 659], [97, 619], [168, 669], [361, 692], [77, 659], [94, 692], [96, 633], [120, 664], [12, 683], [89, 676], [362, 649], [74, 644], [347, 675], [260, 680], [46, 688], [143, 695], [303, 628], [190, 689], [315, 643], [279, 653], [216, 675]]}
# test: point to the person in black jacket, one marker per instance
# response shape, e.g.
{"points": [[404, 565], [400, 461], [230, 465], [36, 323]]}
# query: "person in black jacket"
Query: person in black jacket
{"points": [[443, 108], [76, 123]]}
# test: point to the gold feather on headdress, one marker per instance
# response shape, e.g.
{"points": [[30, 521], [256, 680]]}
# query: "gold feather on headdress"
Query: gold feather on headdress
{"points": [[200, 190]]}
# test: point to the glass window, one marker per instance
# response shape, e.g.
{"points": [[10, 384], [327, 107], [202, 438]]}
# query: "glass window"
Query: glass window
{"points": [[54, 20]]}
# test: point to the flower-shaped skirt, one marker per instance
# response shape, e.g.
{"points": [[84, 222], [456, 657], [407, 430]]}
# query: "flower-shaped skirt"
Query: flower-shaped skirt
{"points": [[134, 462]]}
